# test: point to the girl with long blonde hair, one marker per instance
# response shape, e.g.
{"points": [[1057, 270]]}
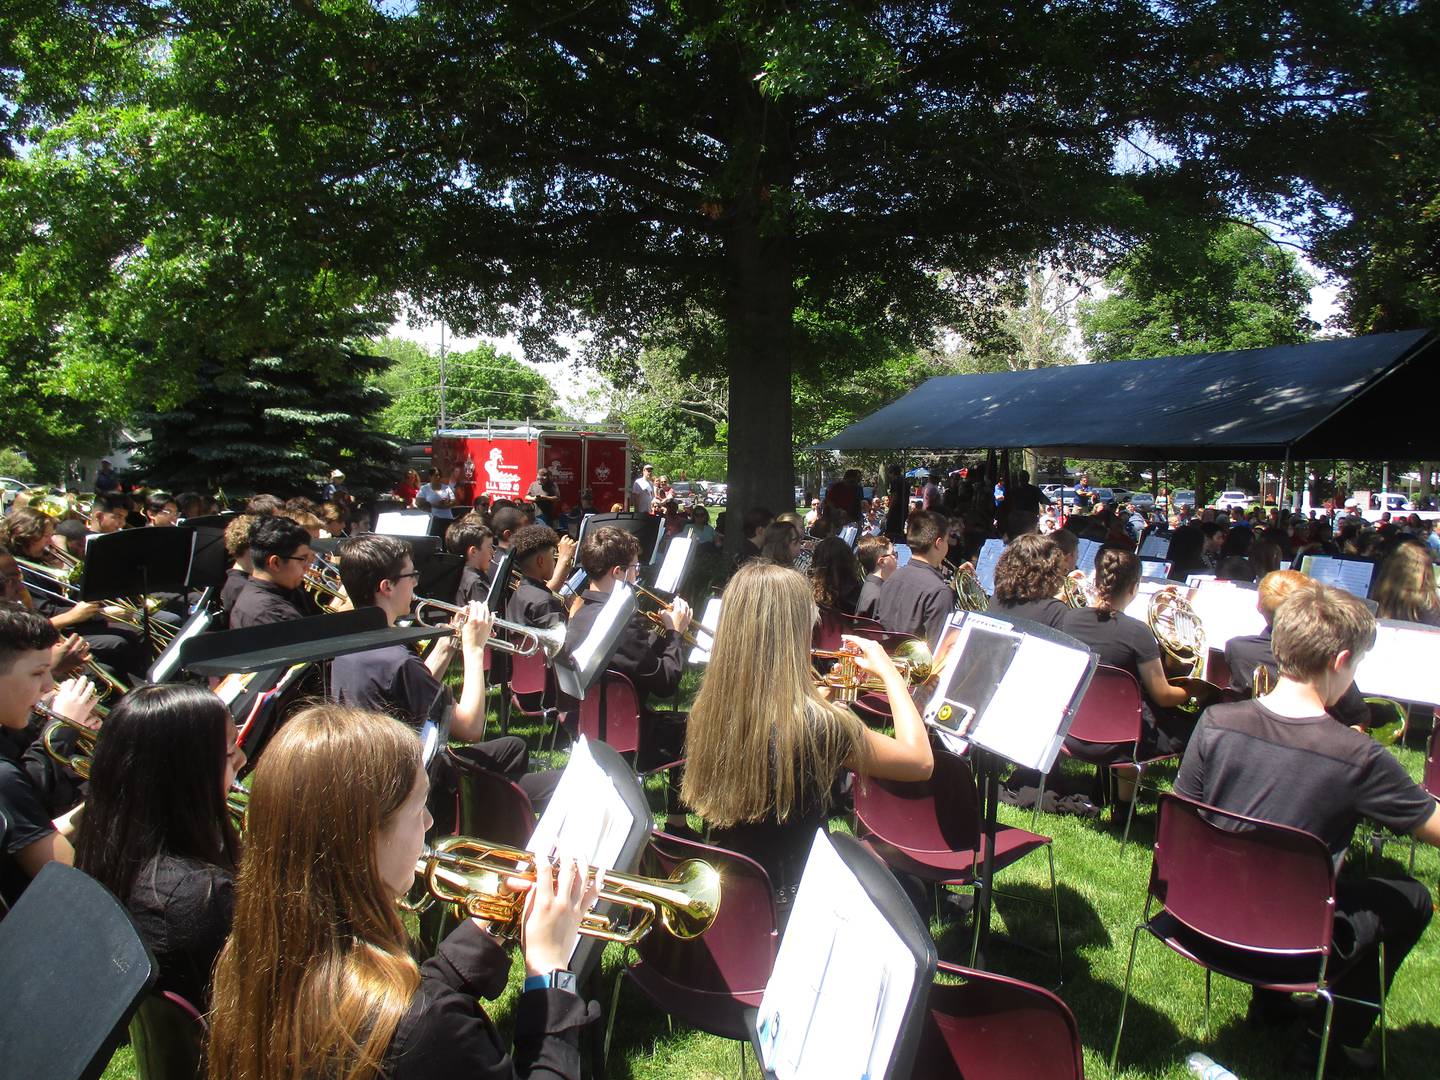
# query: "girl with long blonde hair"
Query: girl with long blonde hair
{"points": [[317, 980], [764, 747], [1405, 586]]}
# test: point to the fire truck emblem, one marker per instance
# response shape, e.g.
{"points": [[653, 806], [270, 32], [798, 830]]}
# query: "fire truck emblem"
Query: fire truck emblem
{"points": [[500, 478]]}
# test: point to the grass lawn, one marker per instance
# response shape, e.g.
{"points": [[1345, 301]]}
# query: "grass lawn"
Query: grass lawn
{"points": [[1102, 885]]}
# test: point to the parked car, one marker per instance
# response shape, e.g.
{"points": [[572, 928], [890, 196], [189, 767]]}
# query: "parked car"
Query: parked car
{"points": [[715, 494], [1104, 495], [1229, 499], [9, 488], [1143, 500], [1182, 500], [1051, 491]]}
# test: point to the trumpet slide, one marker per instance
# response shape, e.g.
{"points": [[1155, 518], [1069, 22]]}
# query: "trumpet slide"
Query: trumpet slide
{"points": [[471, 874], [533, 639]]}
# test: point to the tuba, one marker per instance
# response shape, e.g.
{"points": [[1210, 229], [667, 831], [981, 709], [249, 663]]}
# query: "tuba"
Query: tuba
{"points": [[471, 874]]}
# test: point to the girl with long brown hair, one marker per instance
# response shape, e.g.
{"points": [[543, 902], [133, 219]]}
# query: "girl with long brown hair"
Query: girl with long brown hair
{"points": [[317, 980], [764, 747], [1405, 586]]}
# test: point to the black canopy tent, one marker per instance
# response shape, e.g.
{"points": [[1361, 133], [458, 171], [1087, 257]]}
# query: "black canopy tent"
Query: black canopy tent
{"points": [[1371, 398]]}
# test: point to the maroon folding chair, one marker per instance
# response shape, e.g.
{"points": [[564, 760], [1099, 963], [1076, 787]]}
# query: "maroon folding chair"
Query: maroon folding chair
{"points": [[710, 981], [932, 829], [833, 622], [623, 728], [1217, 668], [991, 1027], [1249, 899], [168, 1035], [1110, 713]]}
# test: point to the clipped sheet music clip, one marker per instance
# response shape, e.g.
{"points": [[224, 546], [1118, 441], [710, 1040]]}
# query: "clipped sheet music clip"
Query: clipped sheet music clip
{"points": [[848, 990]]}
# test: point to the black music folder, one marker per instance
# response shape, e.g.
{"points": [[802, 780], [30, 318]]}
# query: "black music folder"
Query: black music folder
{"points": [[848, 991], [577, 669], [133, 562], [644, 527], [502, 569]]}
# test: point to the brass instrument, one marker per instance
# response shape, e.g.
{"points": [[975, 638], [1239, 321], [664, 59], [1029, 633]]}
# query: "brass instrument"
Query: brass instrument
{"points": [[124, 612], [969, 593], [847, 682], [78, 762], [688, 638], [324, 581], [237, 803], [1181, 637], [1397, 718], [1261, 682], [471, 874], [533, 639], [1074, 592]]}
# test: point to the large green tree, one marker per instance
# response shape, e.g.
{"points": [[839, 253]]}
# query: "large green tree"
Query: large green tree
{"points": [[797, 175]]}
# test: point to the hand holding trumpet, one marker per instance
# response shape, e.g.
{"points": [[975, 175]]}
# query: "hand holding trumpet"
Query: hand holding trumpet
{"points": [[474, 626], [76, 700]]}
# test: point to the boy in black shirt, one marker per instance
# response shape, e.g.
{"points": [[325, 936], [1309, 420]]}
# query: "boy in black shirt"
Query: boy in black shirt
{"points": [[475, 543], [538, 558], [279, 553], [1283, 758], [917, 600]]}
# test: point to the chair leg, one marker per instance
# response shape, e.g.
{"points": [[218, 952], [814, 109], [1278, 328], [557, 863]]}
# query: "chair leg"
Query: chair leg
{"points": [[610, 1020], [1134, 798], [1125, 995], [1325, 1034], [1205, 1016], [975, 918], [1039, 802], [1055, 898], [1383, 992], [741, 1047]]}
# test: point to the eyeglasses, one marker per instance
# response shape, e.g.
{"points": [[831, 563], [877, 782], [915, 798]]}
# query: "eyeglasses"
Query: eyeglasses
{"points": [[401, 577], [295, 558]]}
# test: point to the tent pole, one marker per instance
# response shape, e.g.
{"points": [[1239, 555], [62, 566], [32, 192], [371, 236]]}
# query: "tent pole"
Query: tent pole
{"points": [[1284, 476]]}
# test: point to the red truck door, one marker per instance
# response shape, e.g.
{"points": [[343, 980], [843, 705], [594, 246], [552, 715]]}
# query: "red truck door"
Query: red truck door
{"points": [[564, 456], [607, 471]]}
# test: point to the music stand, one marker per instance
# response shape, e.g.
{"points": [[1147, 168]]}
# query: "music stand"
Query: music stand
{"points": [[210, 521], [403, 522], [137, 562], [577, 669], [78, 971], [849, 911], [297, 641], [211, 560], [669, 577], [440, 576], [644, 527]]}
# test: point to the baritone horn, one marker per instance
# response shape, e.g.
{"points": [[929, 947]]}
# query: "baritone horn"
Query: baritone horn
{"points": [[471, 874], [533, 639]]}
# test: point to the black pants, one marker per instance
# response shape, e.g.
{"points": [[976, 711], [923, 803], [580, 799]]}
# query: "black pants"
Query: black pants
{"points": [[1369, 911], [510, 757]]}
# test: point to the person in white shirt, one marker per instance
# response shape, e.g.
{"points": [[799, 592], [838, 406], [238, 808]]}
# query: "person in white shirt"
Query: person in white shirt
{"points": [[642, 492], [438, 495]]}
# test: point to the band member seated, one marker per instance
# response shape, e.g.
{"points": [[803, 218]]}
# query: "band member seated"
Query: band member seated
{"points": [[1243, 655], [1028, 576], [317, 978], [917, 599], [752, 535], [539, 556], [652, 662], [1405, 585], [378, 571], [782, 542], [505, 522], [156, 831], [877, 560], [1282, 758], [475, 543], [835, 575], [33, 834], [108, 513], [764, 747], [162, 510], [279, 553], [237, 546]]}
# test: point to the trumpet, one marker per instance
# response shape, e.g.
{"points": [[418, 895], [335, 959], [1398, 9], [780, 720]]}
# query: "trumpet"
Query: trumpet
{"points": [[125, 612], [912, 659], [663, 605], [533, 639], [85, 739], [471, 874]]}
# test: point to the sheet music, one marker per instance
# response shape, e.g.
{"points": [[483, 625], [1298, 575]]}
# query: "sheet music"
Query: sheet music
{"points": [[1155, 568], [587, 819], [1403, 664], [1156, 546], [1024, 719], [1284, 564], [1085, 556], [704, 631], [842, 981], [1352, 575], [1226, 611], [1140, 607], [583, 654], [990, 553], [672, 570], [1194, 581], [850, 534], [902, 555], [974, 654], [403, 523]]}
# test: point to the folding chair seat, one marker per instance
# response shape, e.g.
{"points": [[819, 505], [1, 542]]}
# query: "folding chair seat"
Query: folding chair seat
{"points": [[1249, 899], [833, 622], [168, 1034], [614, 697], [1109, 714], [991, 1027], [932, 829], [708, 982]]}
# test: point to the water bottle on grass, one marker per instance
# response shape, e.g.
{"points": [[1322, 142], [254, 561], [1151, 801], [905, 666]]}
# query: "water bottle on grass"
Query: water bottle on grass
{"points": [[1206, 1069]]}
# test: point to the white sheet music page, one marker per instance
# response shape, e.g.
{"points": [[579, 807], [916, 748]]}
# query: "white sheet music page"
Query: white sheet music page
{"points": [[1226, 611], [676, 556], [1085, 557], [704, 631], [841, 983], [1404, 664], [403, 523], [902, 555], [584, 654], [1157, 547], [990, 552], [587, 819], [1349, 574], [1140, 607], [1022, 723]]}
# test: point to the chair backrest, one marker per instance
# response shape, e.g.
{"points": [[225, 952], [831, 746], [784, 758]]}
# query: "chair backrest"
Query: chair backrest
{"points": [[1217, 668], [76, 970], [622, 712], [1110, 710], [491, 806], [168, 1034], [737, 953], [939, 814], [995, 1028], [831, 625], [528, 674], [1242, 881]]}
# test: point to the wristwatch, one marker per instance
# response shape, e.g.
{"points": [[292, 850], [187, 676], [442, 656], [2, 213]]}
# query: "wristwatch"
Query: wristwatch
{"points": [[559, 979]]}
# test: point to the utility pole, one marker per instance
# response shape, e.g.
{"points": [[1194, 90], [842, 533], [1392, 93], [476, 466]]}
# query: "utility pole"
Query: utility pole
{"points": [[442, 374]]}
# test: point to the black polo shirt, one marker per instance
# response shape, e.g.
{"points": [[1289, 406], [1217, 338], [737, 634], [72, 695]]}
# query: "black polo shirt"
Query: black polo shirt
{"points": [[235, 580], [1311, 773], [1244, 654], [1114, 637], [391, 679], [869, 596], [534, 605], [473, 586], [652, 661], [260, 603], [1049, 611], [23, 807], [916, 600]]}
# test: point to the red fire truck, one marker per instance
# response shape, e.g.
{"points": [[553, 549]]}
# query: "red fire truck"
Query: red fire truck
{"points": [[500, 459]]}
